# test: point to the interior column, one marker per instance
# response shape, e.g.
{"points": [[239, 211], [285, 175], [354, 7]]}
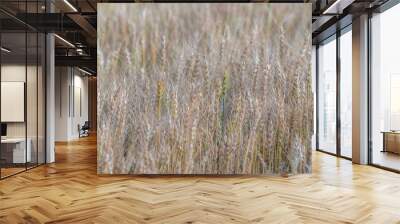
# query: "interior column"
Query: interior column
{"points": [[360, 90]]}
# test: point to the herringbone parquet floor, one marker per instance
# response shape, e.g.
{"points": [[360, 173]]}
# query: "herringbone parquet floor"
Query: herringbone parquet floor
{"points": [[70, 191]]}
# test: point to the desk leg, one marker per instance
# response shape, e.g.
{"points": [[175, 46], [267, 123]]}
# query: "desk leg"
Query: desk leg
{"points": [[384, 142]]}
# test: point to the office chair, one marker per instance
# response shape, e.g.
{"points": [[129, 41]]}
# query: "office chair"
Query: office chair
{"points": [[84, 130]]}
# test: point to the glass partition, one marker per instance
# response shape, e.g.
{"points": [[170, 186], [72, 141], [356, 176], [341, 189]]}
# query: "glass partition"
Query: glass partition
{"points": [[314, 86], [31, 99], [41, 91], [327, 96], [14, 155], [385, 89], [346, 93], [22, 77]]}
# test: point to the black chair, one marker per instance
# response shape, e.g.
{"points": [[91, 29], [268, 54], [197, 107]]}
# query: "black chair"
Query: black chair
{"points": [[84, 130]]}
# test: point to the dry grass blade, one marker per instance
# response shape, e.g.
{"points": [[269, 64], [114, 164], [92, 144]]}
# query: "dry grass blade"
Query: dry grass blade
{"points": [[204, 89]]}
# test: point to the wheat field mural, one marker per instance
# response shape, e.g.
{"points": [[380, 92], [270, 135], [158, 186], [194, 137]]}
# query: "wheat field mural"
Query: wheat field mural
{"points": [[204, 88]]}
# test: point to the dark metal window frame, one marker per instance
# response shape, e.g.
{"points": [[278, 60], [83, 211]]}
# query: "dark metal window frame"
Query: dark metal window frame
{"points": [[334, 37]]}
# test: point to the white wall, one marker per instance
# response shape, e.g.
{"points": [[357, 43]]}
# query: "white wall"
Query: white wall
{"points": [[61, 103], [70, 83], [10, 73], [79, 117], [17, 73], [34, 126]]}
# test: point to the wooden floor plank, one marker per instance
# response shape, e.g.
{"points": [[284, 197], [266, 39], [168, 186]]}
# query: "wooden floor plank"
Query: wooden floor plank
{"points": [[70, 191]]}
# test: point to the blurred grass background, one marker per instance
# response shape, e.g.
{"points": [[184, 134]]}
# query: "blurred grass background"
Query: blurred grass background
{"points": [[204, 88]]}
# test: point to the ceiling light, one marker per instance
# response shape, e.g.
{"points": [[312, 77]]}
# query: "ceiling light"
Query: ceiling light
{"points": [[5, 50], [84, 71], [70, 5], [79, 51], [64, 40], [337, 7], [326, 11]]}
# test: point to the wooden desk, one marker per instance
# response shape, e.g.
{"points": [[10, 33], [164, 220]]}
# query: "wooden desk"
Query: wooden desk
{"points": [[391, 141], [13, 150]]}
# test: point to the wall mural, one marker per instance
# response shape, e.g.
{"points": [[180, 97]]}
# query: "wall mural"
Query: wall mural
{"points": [[204, 88]]}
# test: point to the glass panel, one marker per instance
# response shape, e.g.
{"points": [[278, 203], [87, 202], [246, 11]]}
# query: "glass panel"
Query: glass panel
{"points": [[13, 88], [346, 93], [22, 90], [327, 97], [386, 89], [31, 88], [314, 85], [41, 99], [31, 97]]}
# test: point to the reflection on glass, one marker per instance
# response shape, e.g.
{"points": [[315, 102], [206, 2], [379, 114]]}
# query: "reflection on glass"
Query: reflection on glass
{"points": [[327, 97], [31, 100], [346, 94], [22, 91], [394, 102], [386, 89], [14, 153], [41, 99], [314, 85]]}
